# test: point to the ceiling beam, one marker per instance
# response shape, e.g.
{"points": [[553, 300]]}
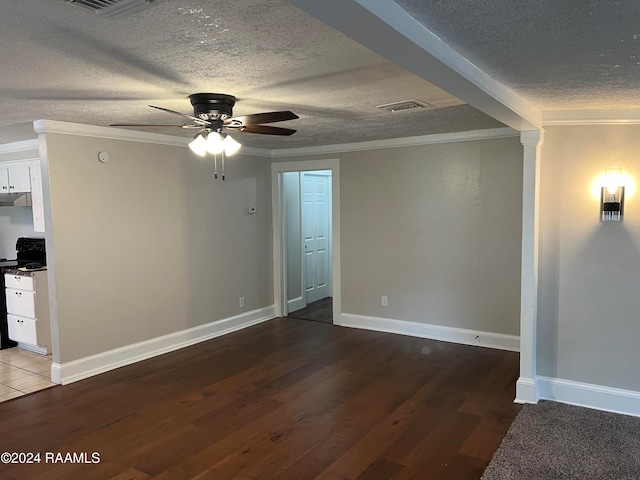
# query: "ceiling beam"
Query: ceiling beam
{"points": [[387, 29]]}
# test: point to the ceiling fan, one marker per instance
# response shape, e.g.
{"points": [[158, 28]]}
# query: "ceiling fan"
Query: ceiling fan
{"points": [[212, 114], [214, 111]]}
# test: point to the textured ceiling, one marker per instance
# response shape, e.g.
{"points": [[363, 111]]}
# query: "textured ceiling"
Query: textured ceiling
{"points": [[559, 55], [63, 62]]}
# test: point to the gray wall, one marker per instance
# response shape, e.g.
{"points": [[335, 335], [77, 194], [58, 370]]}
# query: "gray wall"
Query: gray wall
{"points": [[291, 187], [149, 243], [436, 228], [589, 271]]}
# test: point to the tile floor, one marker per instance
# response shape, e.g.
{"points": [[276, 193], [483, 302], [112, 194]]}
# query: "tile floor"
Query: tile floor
{"points": [[23, 372]]}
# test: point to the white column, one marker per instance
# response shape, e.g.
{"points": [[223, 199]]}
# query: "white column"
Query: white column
{"points": [[526, 386]]}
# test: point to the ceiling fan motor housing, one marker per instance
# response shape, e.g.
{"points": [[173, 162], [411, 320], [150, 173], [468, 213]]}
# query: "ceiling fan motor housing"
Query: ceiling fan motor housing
{"points": [[212, 105]]}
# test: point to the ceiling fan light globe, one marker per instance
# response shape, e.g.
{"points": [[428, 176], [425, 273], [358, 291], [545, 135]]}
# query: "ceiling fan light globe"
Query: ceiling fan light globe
{"points": [[198, 146], [230, 145], [214, 143]]}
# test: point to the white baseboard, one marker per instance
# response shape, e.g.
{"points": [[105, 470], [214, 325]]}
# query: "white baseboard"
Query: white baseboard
{"points": [[434, 332], [526, 390], [34, 348], [589, 395], [75, 370], [295, 304]]}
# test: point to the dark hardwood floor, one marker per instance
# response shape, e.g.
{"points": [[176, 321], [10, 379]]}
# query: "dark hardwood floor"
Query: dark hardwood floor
{"points": [[320, 311], [282, 400]]}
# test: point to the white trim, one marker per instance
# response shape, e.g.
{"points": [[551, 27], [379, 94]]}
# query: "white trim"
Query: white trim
{"points": [[113, 133], [22, 146], [34, 348], [471, 135], [629, 116], [435, 332], [279, 272], [526, 390], [54, 126], [75, 370], [526, 385], [295, 304], [589, 395]]}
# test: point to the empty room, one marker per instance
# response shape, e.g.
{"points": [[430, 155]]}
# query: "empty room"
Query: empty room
{"points": [[334, 240]]}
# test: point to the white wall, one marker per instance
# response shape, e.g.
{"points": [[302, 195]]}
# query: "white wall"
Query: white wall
{"points": [[14, 222], [149, 243], [588, 325]]}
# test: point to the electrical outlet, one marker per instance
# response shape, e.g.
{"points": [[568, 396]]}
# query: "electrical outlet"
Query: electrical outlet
{"points": [[241, 302], [385, 301]]}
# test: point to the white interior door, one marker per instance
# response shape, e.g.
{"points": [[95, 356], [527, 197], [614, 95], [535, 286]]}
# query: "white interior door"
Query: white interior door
{"points": [[315, 189]]}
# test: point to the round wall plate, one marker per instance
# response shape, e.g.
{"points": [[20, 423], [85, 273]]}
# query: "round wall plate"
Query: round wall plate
{"points": [[103, 157]]}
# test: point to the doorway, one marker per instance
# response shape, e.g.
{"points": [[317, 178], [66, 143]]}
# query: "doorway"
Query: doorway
{"points": [[306, 240], [307, 225]]}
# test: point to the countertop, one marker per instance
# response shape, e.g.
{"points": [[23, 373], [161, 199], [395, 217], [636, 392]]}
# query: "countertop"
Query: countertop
{"points": [[22, 271]]}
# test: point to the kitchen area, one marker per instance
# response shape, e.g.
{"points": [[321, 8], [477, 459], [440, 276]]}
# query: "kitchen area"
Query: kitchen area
{"points": [[25, 338]]}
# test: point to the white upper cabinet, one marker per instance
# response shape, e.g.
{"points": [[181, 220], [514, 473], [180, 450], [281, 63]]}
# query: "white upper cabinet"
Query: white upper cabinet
{"points": [[24, 176], [15, 178], [4, 180]]}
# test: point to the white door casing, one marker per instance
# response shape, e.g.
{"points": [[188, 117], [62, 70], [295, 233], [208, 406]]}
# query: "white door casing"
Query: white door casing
{"points": [[279, 267]]}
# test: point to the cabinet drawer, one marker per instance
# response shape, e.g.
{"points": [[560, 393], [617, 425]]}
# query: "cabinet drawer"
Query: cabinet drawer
{"points": [[22, 329], [21, 302], [20, 282]]}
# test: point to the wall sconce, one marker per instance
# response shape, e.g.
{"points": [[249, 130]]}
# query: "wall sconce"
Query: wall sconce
{"points": [[612, 196]]}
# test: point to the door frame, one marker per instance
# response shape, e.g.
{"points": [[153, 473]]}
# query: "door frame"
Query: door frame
{"points": [[279, 237]]}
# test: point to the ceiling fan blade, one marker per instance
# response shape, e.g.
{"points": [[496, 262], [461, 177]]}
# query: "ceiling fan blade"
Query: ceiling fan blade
{"points": [[154, 125], [190, 117], [256, 118], [265, 129]]}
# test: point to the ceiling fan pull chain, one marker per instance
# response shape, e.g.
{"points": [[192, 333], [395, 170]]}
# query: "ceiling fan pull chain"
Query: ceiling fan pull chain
{"points": [[215, 166], [222, 155]]}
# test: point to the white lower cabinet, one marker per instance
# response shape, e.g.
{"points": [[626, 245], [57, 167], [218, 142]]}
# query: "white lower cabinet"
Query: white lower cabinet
{"points": [[23, 330], [21, 302], [28, 310]]}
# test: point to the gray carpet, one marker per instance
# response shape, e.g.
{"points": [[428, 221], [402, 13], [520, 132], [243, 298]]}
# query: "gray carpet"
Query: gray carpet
{"points": [[552, 441]]}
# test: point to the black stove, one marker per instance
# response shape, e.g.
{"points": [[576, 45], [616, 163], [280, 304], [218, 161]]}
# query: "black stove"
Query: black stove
{"points": [[30, 251]]}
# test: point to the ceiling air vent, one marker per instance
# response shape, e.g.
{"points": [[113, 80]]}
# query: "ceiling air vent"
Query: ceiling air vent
{"points": [[404, 105], [116, 8]]}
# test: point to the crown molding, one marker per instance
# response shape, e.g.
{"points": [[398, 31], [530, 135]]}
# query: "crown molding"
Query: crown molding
{"points": [[629, 116], [54, 126], [22, 146], [112, 133], [398, 142]]}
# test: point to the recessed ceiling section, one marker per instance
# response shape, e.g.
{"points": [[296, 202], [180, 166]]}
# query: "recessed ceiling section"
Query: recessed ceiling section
{"points": [[272, 56]]}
